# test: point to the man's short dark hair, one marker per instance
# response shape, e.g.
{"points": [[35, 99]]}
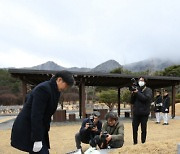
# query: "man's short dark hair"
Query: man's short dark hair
{"points": [[66, 76], [96, 113], [111, 115], [145, 79], [157, 91], [165, 90]]}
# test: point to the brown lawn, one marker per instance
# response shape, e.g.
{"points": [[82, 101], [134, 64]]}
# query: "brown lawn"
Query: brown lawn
{"points": [[160, 139]]}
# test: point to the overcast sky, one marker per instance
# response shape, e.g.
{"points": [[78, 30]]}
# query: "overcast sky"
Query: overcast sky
{"points": [[85, 33]]}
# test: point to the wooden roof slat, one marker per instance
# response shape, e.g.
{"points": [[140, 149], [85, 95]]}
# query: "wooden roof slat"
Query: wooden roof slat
{"points": [[94, 79]]}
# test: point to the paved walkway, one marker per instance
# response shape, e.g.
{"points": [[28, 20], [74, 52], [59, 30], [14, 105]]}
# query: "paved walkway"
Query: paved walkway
{"points": [[6, 118], [6, 121]]}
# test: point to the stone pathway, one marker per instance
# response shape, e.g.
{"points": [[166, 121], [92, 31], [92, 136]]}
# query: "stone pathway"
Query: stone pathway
{"points": [[6, 118], [7, 121]]}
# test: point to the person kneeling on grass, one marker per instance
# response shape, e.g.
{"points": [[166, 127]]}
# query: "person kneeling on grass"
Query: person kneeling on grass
{"points": [[89, 129], [112, 135]]}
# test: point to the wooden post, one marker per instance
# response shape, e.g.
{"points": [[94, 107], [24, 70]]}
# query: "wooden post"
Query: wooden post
{"points": [[173, 102], [119, 102], [59, 115], [24, 90], [82, 111], [83, 99], [80, 101], [152, 107]]}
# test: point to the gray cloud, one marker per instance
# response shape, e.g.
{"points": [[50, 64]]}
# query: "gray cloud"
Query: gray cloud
{"points": [[86, 33]]}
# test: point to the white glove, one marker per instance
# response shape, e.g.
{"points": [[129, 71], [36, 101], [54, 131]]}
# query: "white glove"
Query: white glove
{"points": [[152, 103], [166, 109], [37, 146]]}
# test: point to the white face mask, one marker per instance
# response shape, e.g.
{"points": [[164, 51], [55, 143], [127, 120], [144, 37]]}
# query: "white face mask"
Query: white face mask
{"points": [[141, 83]]}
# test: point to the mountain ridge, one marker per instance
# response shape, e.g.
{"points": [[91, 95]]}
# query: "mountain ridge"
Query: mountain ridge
{"points": [[152, 64]]}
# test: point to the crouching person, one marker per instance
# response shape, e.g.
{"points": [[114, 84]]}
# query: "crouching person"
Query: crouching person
{"points": [[89, 129], [112, 135]]}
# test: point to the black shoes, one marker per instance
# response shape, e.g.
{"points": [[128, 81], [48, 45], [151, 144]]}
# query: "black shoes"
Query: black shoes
{"points": [[165, 123], [78, 151], [162, 124]]}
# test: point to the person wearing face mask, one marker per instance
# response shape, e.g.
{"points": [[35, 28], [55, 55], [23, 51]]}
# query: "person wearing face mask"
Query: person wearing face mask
{"points": [[165, 107], [141, 100], [31, 127]]}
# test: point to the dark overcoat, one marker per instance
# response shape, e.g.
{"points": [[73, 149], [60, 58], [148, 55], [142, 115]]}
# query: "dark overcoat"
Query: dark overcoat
{"points": [[33, 122], [158, 103], [141, 101], [166, 104]]}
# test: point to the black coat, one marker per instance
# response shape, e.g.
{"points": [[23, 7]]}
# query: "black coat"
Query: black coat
{"points": [[141, 101], [33, 122], [86, 134], [158, 103], [166, 104]]}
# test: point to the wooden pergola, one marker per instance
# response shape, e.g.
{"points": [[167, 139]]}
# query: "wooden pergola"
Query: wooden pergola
{"points": [[34, 77]]}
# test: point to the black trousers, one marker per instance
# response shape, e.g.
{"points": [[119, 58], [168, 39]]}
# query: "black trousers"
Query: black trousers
{"points": [[139, 119], [78, 140], [98, 141]]}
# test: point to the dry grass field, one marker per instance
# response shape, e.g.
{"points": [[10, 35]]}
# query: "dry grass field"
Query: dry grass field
{"points": [[160, 139]]}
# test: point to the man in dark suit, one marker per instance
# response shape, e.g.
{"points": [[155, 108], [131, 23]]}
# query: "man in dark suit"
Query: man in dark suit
{"points": [[30, 129]]}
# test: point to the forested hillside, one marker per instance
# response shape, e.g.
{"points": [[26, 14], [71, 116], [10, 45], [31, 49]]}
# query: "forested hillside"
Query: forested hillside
{"points": [[11, 94], [10, 89]]}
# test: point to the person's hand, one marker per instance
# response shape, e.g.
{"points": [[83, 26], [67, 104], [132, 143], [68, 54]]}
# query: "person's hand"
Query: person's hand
{"points": [[37, 146], [87, 126], [135, 91], [108, 138], [95, 129]]}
